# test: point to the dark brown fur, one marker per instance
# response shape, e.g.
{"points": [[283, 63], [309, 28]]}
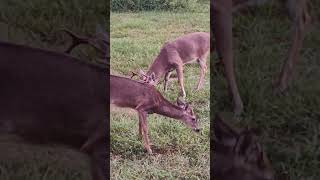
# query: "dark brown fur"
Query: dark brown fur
{"points": [[51, 97]]}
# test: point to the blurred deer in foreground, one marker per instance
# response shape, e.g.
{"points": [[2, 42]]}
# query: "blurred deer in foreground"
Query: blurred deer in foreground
{"points": [[237, 155], [145, 99], [221, 19], [48, 96], [173, 55]]}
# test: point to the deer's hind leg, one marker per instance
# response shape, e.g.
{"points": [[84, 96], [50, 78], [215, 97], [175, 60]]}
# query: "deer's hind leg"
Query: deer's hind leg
{"points": [[222, 27], [166, 80], [203, 69], [181, 81], [300, 18]]}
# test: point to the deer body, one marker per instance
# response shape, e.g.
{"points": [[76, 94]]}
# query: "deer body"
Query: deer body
{"points": [[145, 99], [173, 55], [51, 97], [222, 28]]}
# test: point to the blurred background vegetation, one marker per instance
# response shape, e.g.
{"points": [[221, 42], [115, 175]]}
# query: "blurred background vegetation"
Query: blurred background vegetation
{"points": [[159, 5]]}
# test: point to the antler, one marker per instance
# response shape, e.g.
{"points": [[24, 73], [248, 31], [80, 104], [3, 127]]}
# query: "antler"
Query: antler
{"points": [[139, 75], [134, 74], [77, 40]]}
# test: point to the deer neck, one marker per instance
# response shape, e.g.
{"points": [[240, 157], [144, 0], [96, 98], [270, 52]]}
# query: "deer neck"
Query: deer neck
{"points": [[165, 108], [160, 65]]}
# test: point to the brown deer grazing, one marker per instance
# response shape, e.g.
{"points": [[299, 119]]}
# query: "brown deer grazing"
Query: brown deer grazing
{"points": [[222, 29], [52, 97], [173, 55], [237, 155], [145, 99]]}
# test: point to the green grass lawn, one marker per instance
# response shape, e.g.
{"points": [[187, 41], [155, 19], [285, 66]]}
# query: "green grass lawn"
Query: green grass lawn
{"points": [[290, 123], [136, 38]]}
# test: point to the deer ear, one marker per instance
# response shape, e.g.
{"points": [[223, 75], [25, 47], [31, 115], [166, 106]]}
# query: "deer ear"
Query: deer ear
{"points": [[141, 72], [153, 76], [180, 103]]}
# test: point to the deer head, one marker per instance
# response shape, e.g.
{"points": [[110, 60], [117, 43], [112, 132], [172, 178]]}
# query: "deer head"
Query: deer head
{"points": [[238, 155], [189, 117]]}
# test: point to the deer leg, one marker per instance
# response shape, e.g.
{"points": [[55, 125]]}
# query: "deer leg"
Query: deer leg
{"points": [[222, 26], [140, 129], [144, 125], [180, 79], [166, 80], [300, 19], [203, 69]]}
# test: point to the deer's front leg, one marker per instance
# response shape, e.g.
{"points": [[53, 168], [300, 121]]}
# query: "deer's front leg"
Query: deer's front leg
{"points": [[300, 19], [222, 26], [180, 79], [140, 129], [144, 125], [203, 69], [166, 80]]}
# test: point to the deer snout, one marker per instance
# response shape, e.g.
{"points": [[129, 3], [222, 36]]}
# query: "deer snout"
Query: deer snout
{"points": [[197, 130]]}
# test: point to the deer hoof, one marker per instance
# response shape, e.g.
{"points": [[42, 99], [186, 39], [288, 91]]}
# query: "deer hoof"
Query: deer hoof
{"points": [[149, 151], [279, 87], [238, 109], [198, 88]]}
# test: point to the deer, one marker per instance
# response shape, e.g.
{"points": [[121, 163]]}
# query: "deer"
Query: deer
{"points": [[52, 97], [173, 55], [146, 99], [221, 25], [237, 154]]}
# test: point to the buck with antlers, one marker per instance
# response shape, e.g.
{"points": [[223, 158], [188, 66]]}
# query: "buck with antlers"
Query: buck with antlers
{"points": [[173, 55], [145, 99], [237, 155], [222, 29], [52, 97]]}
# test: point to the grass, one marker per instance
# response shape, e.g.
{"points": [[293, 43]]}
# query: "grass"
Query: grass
{"points": [[290, 123], [136, 38]]}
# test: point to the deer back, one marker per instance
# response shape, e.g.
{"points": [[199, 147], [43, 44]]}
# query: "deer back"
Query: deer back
{"points": [[125, 92], [192, 46], [49, 96]]}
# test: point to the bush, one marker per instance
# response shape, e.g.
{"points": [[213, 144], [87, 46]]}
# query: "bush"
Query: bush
{"points": [[148, 5]]}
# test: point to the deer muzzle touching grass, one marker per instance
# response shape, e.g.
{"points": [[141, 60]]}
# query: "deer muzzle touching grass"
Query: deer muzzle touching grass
{"points": [[237, 155], [222, 29], [145, 99], [173, 55]]}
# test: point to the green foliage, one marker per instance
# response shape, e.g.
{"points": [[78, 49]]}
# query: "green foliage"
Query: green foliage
{"points": [[148, 5]]}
